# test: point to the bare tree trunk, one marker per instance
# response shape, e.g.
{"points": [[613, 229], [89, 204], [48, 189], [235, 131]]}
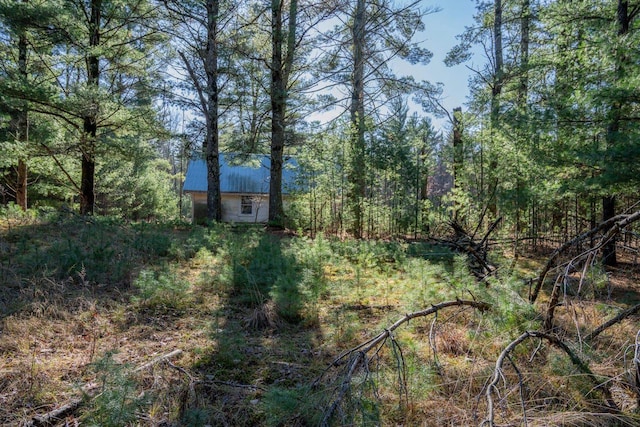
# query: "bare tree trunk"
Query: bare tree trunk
{"points": [[609, 211], [281, 67], [357, 170], [88, 164], [21, 184], [525, 24], [418, 195], [212, 155], [613, 129], [208, 96], [278, 100], [90, 128], [22, 125], [424, 186], [523, 92], [496, 91], [458, 159]]}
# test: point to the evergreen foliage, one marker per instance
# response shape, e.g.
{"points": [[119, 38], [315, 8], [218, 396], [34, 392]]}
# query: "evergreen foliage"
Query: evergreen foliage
{"points": [[547, 147]]}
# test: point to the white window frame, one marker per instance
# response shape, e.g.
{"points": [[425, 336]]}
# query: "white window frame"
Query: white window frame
{"points": [[246, 202]]}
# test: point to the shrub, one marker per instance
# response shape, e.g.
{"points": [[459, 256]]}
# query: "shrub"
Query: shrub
{"points": [[161, 291], [118, 401]]}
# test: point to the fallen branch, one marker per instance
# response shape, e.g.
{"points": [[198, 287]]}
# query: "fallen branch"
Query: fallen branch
{"points": [[158, 359], [485, 239], [635, 376], [56, 415], [357, 357], [587, 255], [89, 391], [612, 227], [619, 318], [555, 341], [476, 252]]}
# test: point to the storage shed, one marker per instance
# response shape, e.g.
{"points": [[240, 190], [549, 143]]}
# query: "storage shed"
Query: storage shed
{"points": [[244, 187]]}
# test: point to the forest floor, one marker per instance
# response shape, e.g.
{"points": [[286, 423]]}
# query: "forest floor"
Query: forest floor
{"points": [[165, 325]]}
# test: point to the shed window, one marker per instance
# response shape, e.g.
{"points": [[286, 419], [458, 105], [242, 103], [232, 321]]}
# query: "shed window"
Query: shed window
{"points": [[246, 205]]}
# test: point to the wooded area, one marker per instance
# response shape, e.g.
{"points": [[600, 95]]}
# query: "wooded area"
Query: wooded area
{"points": [[94, 92], [520, 212]]}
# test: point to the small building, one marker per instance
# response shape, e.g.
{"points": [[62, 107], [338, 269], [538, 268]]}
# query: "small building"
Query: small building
{"points": [[244, 187]]}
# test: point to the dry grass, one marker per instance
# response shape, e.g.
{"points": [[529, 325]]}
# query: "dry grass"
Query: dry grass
{"points": [[243, 364], [581, 419], [48, 354]]}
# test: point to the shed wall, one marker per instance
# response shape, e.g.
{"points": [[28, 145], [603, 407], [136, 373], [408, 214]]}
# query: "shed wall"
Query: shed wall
{"points": [[231, 211], [231, 208]]}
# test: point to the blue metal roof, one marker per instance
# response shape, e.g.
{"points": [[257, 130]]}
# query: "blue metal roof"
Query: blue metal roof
{"points": [[251, 176]]}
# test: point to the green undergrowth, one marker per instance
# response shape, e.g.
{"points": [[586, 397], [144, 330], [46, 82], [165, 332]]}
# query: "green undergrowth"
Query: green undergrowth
{"points": [[259, 318]]}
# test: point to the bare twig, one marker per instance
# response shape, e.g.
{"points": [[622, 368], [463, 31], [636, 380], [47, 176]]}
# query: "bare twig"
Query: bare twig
{"points": [[612, 227], [636, 369], [158, 359], [357, 357], [55, 416], [521, 387], [432, 343], [619, 318], [556, 342]]}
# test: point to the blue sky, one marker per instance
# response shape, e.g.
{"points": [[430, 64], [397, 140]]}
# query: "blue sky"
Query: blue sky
{"points": [[439, 37]]}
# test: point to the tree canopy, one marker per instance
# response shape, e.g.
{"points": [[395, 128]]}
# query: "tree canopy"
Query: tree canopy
{"points": [[96, 90]]}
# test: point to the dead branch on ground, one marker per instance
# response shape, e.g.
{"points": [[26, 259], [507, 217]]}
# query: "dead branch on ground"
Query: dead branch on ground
{"points": [[617, 319], [556, 342], [563, 282], [358, 358], [88, 390], [609, 229], [476, 251], [612, 228], [635, 370]]}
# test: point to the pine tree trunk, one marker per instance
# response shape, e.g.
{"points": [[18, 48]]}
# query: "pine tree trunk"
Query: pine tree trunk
{"points": [[281, 68], [21, 187], [90, 128], [496, 91], [22, 126], [212, 155], [87, 183], [609, 201], [357, 171], [278, 100], [525, 25], [458, 159], [499, 62], [523, 92]]}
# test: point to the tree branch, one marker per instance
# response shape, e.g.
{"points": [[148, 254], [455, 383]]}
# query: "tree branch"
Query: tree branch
{"points": [[619, 318], [196, 83], [357, 357], [555, 341], [613, 225]]}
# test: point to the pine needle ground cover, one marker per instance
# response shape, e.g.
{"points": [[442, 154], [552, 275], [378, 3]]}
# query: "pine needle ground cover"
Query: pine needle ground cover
{"points": [[109, 323]]}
